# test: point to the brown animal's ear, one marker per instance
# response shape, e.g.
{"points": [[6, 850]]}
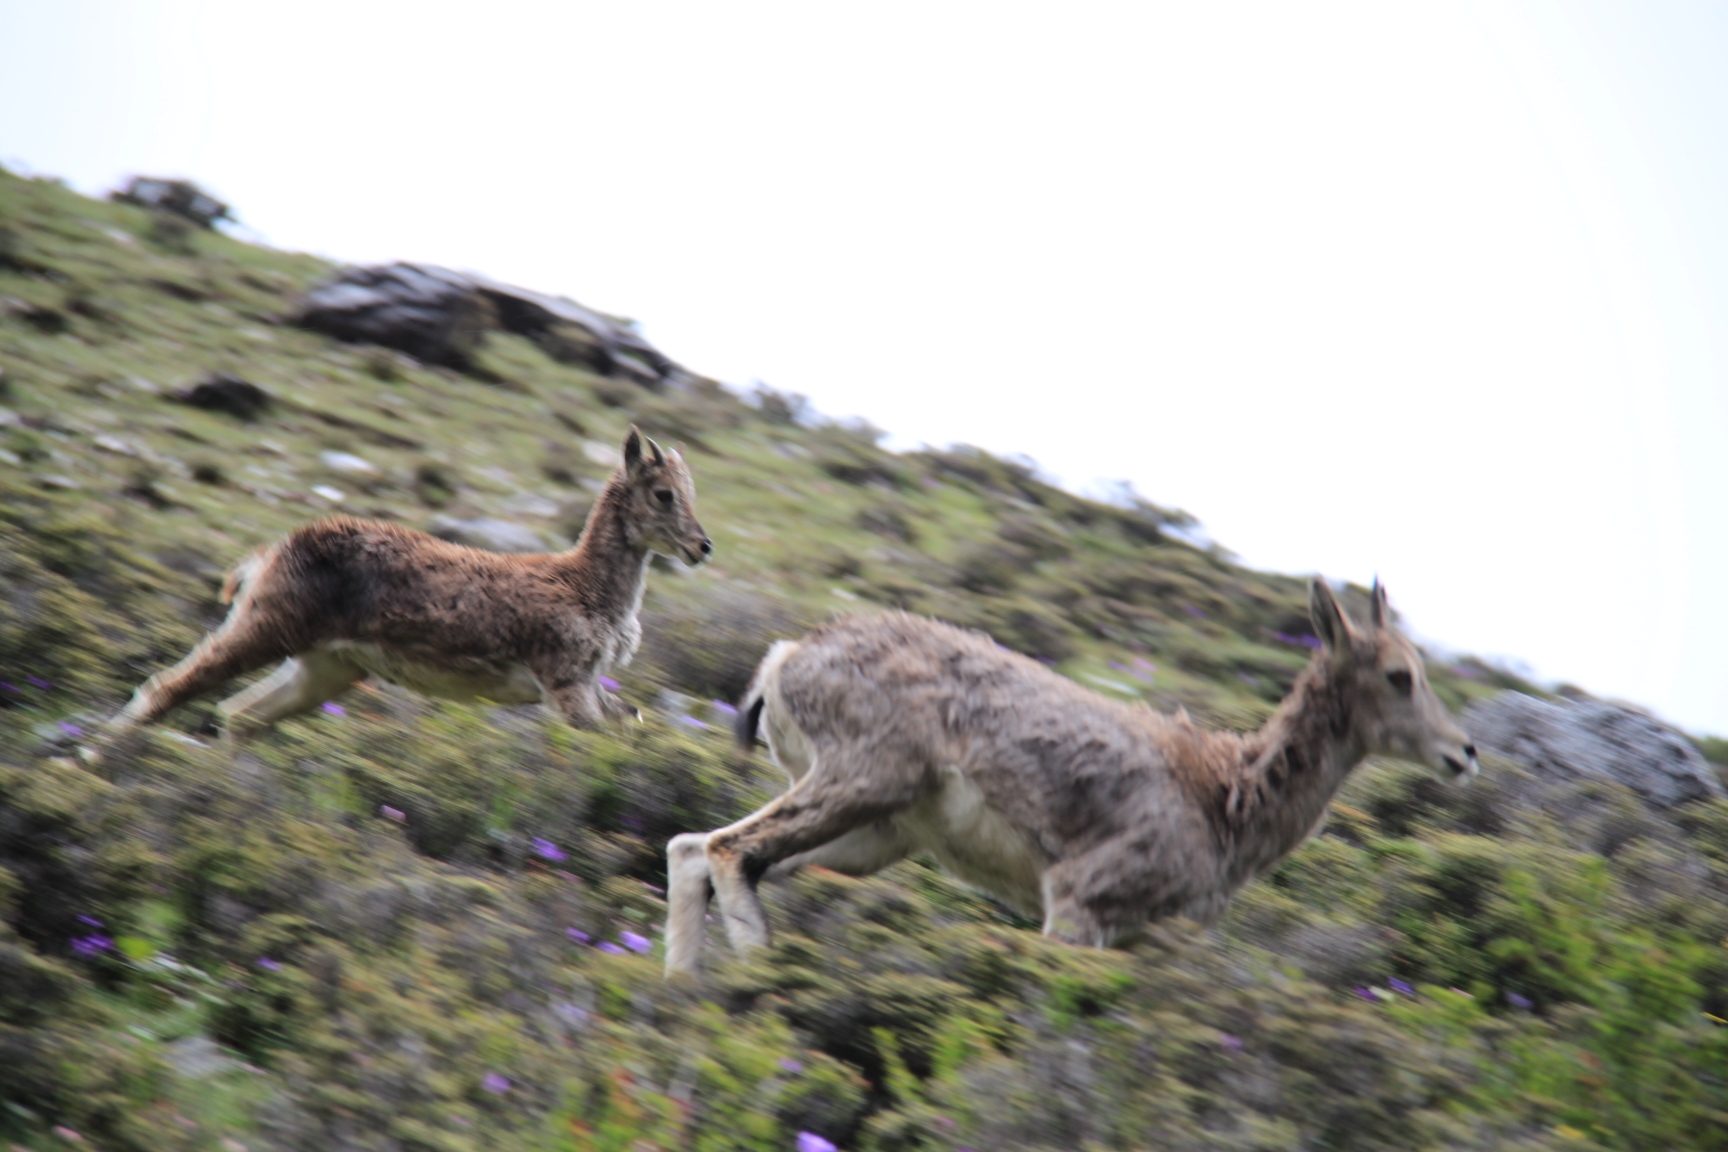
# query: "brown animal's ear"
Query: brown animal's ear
{"points": [[1382, 614], [659, 456], [1330, 623], [633, 450]]}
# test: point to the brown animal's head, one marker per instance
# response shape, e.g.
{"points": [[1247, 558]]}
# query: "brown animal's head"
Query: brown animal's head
{"points": [[662, 501], [1393, 709]]}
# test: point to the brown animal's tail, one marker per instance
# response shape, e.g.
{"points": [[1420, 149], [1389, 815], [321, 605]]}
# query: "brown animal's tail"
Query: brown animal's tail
{"points": [[241, 575], [750, 708]]}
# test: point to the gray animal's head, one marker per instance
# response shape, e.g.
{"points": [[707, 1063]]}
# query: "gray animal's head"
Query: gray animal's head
{"points": [[1379, 674], [662, 501]]}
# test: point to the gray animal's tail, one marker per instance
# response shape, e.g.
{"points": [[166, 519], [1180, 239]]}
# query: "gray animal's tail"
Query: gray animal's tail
{"points": [[744, 724], [749, 718]]}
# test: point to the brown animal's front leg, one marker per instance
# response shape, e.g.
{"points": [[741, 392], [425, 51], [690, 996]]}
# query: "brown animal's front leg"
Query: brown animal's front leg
{"points": [[849, 787], [576, 695]]}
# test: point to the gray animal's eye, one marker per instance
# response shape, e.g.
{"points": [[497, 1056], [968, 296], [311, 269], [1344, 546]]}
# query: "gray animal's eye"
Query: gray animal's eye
{"points": [[664, 495], [1401, 681]]}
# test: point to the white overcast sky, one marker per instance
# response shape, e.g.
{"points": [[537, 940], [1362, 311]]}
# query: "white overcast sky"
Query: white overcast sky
{"points": [[1438, 292]]}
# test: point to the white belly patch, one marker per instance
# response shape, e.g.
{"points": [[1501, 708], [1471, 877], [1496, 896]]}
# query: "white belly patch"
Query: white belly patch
{"points": [[956, 824], [460, 679]]}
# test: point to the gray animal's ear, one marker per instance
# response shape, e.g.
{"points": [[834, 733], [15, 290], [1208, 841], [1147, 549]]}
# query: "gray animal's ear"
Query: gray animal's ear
{"points": [[659, 456], [1330, 623], [1382, 613], [633, 450]]}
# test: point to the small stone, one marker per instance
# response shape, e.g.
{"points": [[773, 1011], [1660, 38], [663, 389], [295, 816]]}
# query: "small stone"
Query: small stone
{"points": [[333, 495], [223, 393], [347, 462]]}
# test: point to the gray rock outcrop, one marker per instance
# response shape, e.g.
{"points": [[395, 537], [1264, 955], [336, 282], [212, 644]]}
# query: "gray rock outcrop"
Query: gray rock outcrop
{"points": [[487, 532], [180, 197], [441, 317], [1576, 739]]}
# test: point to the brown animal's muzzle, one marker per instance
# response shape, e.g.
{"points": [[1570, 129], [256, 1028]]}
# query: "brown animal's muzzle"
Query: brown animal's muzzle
{"points": [[700, 551]]}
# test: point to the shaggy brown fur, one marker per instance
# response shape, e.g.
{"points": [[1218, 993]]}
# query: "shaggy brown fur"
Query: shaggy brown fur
{"points": [[904, 735], [341, 599]]}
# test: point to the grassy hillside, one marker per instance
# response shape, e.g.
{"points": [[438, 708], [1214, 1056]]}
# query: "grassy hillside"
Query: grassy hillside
{"points": [[412, 925]]}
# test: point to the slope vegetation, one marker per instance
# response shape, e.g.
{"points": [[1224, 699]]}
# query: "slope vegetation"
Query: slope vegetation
{"points": [[400, 924]]}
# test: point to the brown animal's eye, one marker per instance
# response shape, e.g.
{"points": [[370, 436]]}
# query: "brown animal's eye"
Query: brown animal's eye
{"points": [[1401, 681], [664, 495]]}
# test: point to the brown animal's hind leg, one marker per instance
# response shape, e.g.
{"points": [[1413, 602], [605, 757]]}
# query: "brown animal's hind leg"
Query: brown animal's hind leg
{"points": [[849, 787], [302, 683], [228, 652]]}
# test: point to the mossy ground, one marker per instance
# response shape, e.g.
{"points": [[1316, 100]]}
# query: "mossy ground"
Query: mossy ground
{"points": [[379, 930]]}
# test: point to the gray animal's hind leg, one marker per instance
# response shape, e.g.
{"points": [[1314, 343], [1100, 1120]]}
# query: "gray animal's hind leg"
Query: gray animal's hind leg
{"points": [[850, 787], [687, 894], [859, 852], [301, 683]]}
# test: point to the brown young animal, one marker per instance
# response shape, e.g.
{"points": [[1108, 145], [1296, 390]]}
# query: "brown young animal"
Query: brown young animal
{"points": [[903, 735], [342, 599]]}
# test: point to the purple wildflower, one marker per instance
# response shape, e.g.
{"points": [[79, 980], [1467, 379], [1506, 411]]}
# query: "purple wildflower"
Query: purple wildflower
{"points": [[792, 1066], [612, 949], [269, 965], [810, 1142], [71, 729], [1144, 669], [1193, 611], [570, 1012], [1232, 1043], [692, 722], [724, 708], [495, 1084], [1522, 1003], [547, 850], [91, 945], [65, 1133], [390, 813], [654, 888], [1366, 994], [37, 682], [641, 945], [13, 688], [334, 708], [1400, 987], [608, 683], [578, 935], [91, 921]]}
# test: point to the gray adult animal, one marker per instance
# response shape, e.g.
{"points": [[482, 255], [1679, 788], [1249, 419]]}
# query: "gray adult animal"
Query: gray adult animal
{"points": [[341, 599], [904, 735]]}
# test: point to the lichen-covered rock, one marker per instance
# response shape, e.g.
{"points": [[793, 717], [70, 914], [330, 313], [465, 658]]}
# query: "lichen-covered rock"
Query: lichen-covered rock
{"points": [[431, 313], [1594, 738], [441, 317], [181, 197]]}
